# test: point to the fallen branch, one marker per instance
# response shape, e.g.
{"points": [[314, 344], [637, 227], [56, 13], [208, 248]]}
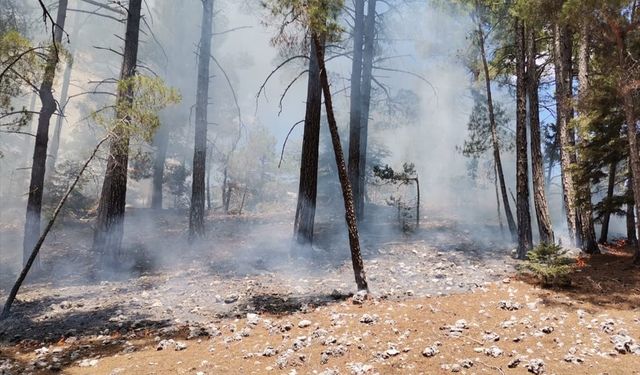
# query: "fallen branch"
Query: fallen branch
{"points": [[36, 249]]}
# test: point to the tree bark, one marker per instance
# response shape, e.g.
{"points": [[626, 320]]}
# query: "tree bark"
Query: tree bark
{"points": [[632, 237], [604, 231], [196, 213], [367, 79], [634, 160], [162, 144], [513, 229], [563, 77], [522, 170], [107, 237], [308, 185], [537, 169], [347, 194], [588, 243], [355, 114], [38, 168]]}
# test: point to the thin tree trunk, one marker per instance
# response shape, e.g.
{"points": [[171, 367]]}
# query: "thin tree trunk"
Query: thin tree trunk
{"points": [[196, 212], [562, 56], [347, 194], [107, 238], [355, 113], [632, 237], [522, 170], [162, 144], [367, 79], [33, 254], [583, 188], [64, 95], [38, 168], [513, 229], [308, 186], [604, 231], [498, 208], [539, 194]]}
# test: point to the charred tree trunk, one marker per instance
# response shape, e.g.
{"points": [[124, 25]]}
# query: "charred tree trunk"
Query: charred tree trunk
{"points": [[355, 114], [107, 238], [604, 231], [38, 168], [522, 170], [308, 186], [347, 194], [196, 213], [367, 79], [162, 144], [498, 208], [513, 230], [583, 188], [537, 169], [563, 77]]}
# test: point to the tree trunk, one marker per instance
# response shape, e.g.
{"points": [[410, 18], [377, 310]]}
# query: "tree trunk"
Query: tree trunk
{"points": [[64, 95], [604, 231], [495, 184], [347, 194], [196, 214], [634, 160], [308, 186], [355, 113], [537, 169], [162, 144], [632, 237], [38, 168], [513, 229], [367, 79], [522, 170], [563, 76], [107, 238], [583, 188]]}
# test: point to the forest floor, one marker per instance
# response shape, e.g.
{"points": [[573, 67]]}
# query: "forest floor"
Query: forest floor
{"points": [[444, 300]]}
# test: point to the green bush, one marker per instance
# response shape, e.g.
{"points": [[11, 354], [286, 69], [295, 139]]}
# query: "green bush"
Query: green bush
{"points": [[549, 263]]}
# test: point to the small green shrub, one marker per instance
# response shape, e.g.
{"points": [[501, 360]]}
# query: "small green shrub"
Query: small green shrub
{"points": [[549, 263]]}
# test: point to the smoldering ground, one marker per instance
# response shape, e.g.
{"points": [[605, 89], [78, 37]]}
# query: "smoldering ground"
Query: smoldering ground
{"points": [[246, 258]]}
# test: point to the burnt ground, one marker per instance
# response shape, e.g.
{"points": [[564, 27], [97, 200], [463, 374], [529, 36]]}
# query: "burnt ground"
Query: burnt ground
{"points": [[90, 321]]}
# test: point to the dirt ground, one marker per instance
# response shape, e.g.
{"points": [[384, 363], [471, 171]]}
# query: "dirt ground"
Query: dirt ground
{"points": [[443, 301]]}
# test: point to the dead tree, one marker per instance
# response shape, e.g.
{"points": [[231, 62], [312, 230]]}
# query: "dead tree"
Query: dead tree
{"points": [[347, 194], [33, 254], [38, 168], [196, 212]]}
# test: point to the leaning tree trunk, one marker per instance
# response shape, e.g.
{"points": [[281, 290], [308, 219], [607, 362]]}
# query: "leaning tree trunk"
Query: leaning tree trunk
{"points": [[537, 169], [107, 237], [355, 112], [367, 79], [347, 194], [513, 229], [38, 168], [196, 213], [161, 142], [604, 231], [522, 170], [588, 243], [562, 64], [308, 186]]}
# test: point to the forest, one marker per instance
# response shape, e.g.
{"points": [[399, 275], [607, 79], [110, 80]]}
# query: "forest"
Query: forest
{"points": [[319, 187]]}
